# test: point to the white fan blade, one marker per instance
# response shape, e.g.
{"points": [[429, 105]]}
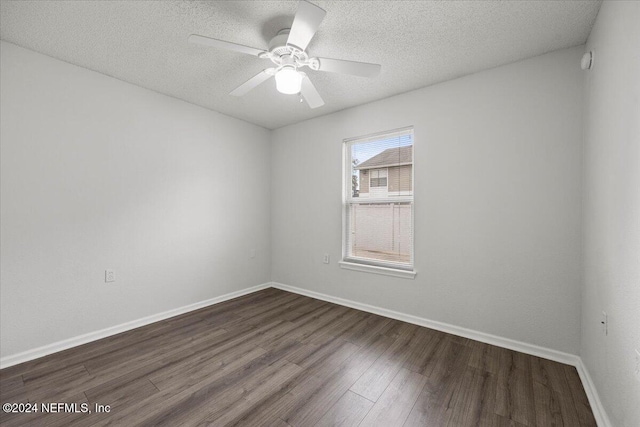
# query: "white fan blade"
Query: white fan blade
{"points": [[310, 93], [254, 81], [221, 44], [305, 24], [362, 69]]}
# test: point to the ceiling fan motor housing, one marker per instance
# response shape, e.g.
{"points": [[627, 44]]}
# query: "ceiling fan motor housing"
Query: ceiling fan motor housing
{"points": [[278, 44], [282, 54]]}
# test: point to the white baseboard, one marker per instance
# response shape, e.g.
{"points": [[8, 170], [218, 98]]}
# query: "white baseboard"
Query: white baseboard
{"points": [[592, 394], [520, 346], [55, 347]]}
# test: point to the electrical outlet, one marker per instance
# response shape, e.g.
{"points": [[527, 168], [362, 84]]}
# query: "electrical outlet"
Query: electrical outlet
{"points": [[326, 259], [605, 323], [109, 276], [638, 364]]}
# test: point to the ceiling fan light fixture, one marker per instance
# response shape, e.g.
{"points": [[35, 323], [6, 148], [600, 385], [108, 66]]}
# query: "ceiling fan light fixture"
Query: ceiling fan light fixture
{"points": [[288, 80], [287, 51]]}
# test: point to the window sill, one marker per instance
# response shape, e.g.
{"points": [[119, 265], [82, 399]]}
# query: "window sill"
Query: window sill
{"points": [[405, 274]]}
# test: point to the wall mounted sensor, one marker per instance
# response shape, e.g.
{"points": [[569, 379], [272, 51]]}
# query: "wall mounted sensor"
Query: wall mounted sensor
{"points": [[587, 61]]}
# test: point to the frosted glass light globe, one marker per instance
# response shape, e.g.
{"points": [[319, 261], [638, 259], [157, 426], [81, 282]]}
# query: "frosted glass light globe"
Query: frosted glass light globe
{"points": [[288, 81]]}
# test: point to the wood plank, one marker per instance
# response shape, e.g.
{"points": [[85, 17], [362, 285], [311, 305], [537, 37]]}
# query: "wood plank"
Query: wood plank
{"points": [[166, 367], [131, 392], [60, 384], [560, 392], [433, 406], [515, 396], [323, 359], [268, 411], [213, 400], [258, 390], [12, 390], [308, 306], [121, 377], [334, 324], [399, 329], [219, 350], [348, 411], [396, 402], [515, 359], [376, 379], [365, 329], [192, 374], [547, 406], [580, 400], [309, 401], [500, 421], [474, 401], [424, 352], [267, 314], [171, 407], [267, 306], [485, 357], [121, 361]]}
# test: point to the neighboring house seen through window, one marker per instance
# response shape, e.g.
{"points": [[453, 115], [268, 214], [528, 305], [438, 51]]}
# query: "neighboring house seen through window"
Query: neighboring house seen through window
{"points": [[378, 205]]}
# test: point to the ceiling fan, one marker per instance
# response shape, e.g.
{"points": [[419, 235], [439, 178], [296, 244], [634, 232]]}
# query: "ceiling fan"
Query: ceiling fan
{"points": [[287, 52]]}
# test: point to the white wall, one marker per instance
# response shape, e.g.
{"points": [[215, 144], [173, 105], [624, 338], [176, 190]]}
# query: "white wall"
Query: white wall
{"points": [[97, 173], [497, 202], [612, 210]]}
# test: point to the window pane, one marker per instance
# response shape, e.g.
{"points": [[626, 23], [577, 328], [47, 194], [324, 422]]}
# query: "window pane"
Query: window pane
{"points": [[374, 161], [380, 232]]}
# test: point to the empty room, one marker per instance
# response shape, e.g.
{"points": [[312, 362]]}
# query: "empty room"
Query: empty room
{"points": [[320, 213]]}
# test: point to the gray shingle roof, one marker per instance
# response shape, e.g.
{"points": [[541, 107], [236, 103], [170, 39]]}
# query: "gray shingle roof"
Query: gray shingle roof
{"points": [[389, 157]]}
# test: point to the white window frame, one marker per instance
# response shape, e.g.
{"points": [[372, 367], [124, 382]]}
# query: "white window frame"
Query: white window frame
{"points": [[368, 265]]}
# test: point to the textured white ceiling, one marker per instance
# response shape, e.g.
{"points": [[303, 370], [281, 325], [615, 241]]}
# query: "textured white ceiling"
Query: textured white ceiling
{"points": [[418, 43]]}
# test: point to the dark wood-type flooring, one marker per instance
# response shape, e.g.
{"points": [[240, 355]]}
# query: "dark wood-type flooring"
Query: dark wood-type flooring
{"points": [[274, 358]]}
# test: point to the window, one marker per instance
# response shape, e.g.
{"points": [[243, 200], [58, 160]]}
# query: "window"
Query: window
{"points": [[378, 203], [378, 178]]}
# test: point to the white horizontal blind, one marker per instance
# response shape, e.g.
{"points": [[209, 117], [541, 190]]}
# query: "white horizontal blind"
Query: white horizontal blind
{"points": [[378, 202]]}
